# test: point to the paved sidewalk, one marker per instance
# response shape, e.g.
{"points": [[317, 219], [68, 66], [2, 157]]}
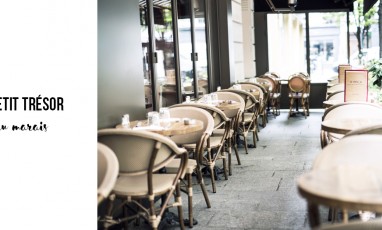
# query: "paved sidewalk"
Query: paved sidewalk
{"points": [[262, 192]]}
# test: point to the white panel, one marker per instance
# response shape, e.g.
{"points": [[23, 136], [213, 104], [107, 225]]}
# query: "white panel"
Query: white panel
{"points": [[236, 12], [238, 47], [248, 41], [239, 71], [237, 32]]}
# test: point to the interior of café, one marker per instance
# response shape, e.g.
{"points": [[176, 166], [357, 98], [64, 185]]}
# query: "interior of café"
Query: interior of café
{"points": [[239, 114]]}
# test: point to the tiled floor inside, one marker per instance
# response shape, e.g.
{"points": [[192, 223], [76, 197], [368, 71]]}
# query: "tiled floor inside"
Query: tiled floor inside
{"points": [[262, 192]]}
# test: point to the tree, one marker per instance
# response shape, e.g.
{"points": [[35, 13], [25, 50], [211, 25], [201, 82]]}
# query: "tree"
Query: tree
{"points": [[363, 23]]}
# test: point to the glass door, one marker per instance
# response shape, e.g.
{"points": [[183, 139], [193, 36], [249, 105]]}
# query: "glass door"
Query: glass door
{"points": [[192, 48], [158, 53]]}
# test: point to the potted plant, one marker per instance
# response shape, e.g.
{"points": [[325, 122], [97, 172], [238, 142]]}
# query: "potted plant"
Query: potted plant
{"points": [[374, 67]]}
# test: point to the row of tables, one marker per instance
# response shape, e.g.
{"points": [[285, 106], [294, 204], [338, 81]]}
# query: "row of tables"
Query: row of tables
{"points": [[170, 127]]}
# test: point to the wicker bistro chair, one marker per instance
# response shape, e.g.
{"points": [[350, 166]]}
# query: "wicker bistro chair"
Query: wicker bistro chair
{"points": [[304, 74], [195, 142], [347, 110], [299, 89], [335, 88], [263, 99], [338, 95], [274, 74], [274, 92], [234, 115], [248, 121], [108, 168], [377, 129], [141, 154], [215, 143]]}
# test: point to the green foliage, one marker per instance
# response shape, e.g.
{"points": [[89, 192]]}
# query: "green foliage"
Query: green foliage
{"points": [[366, 20], [363, 23], [375, 67]]}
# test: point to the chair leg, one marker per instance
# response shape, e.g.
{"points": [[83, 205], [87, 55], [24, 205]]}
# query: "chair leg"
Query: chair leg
{"points": [[138, 219], [230, 164], [152, 212], [291, 102], [303, 106], [264, 119], [109, 210], [212, 172], [345, 216], [243, 133], [229, 150], [257, 134], [334, 215], [257, 128], [225, 166], [189, 192], [180, 209], [274, 109], [277, 106], [246, 144], [313, 215], [237, 155], [330, 214], [257, 123], [245, 141], [203, 187], [211, 167], [254, 133]]}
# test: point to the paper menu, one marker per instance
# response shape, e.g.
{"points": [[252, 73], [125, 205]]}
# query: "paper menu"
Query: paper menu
{"points": [[356, 85]]}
